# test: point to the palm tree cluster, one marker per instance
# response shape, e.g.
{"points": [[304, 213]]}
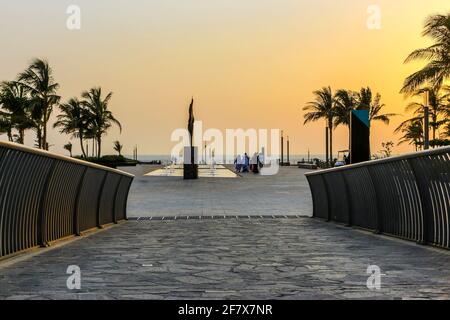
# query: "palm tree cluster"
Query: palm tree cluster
{"points": [[412, 129], [28, 102], [431, 79], [87, 119], [335, 109]]}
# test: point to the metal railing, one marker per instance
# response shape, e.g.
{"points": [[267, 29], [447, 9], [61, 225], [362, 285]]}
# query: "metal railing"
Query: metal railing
{"points": [[45, 197], [406, 196]]}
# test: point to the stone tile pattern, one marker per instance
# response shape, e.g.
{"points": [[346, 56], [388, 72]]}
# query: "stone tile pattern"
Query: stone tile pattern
{"points": [[286, 193], [280, 258]]}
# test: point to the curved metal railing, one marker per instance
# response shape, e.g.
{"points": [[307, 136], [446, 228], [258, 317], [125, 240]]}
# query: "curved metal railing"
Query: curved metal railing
{"points": [[406, 196], [45, 197]]}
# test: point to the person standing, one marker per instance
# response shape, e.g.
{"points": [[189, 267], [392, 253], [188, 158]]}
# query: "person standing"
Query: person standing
{"points": [[254, 166], [261, 160], [238, 163], [246, 163]]}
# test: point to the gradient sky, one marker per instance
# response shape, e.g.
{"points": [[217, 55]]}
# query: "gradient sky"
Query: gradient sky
{"points": [[249, 64]]}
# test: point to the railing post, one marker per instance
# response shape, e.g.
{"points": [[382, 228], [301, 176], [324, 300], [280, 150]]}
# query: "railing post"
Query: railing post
{"points": [[327, 192], [99, 199], [314, 215], [76, 217], [115, 200], [379, 214], [349, 200], [42, 225], [425, 199], [126, 200]]}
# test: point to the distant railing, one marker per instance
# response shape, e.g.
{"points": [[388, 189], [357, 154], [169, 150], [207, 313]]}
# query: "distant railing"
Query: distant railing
{"points": [[406, 196], [45, 197]]}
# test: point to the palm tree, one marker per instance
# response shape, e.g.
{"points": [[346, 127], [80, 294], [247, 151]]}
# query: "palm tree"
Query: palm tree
{"points": [[438, 104], [100, 118], [366, 101], [6, 126], [16, 106], [322, 108], [68, 147], [73, 120], [118, 147], [38, 80], [446, 133], [412, 132], [437, 27], [345, 102]]}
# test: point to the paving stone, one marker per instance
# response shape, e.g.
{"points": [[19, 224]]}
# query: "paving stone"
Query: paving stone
{"points": [[232, 259]]}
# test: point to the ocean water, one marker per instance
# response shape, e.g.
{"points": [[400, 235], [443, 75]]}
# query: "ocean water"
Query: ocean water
{"points": [[229, 160]]}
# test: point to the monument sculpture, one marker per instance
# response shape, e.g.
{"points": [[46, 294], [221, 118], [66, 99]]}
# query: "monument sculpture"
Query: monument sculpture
{"points": [[190, 166]]}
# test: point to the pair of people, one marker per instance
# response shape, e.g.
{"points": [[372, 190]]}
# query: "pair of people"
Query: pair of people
{"points": [[245, 164], [241, 163]]}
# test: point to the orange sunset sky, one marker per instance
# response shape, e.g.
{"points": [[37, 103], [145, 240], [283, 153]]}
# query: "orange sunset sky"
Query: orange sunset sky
{"points": [[248, 64]]}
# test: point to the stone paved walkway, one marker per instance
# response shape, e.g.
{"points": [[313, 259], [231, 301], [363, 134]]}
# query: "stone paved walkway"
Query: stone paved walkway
{"points": [[299, 258], [284, 194]]}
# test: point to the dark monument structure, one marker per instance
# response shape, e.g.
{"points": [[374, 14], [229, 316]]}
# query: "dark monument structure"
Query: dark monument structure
{"points": [[359, 136], [190, 167]]}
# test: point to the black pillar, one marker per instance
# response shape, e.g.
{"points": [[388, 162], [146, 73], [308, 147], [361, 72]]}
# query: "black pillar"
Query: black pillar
{"points": [[360, 136]]}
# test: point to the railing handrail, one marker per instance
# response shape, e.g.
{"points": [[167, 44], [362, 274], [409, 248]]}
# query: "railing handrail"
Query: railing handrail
{"points": [[381, 161], [20, 147]]}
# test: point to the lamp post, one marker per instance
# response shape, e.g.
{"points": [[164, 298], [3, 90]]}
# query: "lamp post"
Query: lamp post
{"points": [[288, 160], [426, 122], [282, 146]]}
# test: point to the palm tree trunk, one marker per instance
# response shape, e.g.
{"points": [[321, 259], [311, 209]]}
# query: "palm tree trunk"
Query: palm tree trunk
{"points": [[434, 128], [330, 126], [39, 136], [327, 147], [21, 136], [99, 144], [81, 144], [44, 137]]}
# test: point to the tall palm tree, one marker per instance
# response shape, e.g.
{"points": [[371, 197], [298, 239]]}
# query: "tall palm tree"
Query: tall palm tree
{"points": [[322, 108], [6, 126], [437, 27], [38, 80], [16, 106], [345, 102], [118, 147], [366, 101], [412, 132], [73, 120], [100, 118], [438, 106]]}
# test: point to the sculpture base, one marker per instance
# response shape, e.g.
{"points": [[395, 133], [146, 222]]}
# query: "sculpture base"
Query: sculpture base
{"points": [[190, 171]]}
